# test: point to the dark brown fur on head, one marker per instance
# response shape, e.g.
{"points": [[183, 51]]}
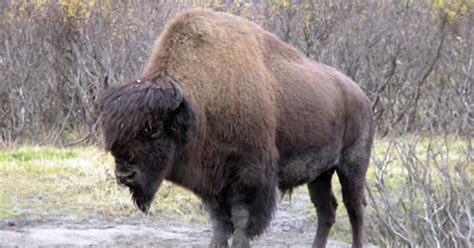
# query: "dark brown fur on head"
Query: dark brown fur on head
{"points": [[144, 124], [126, 110]]}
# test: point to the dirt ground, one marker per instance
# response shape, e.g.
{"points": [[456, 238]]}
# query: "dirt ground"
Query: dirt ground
{"points": [[292, 226]]}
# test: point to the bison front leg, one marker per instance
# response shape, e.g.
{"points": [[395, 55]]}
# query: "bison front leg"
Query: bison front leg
{"points": [[220, 235], [240, 219], [253, 200], [221, 221]]}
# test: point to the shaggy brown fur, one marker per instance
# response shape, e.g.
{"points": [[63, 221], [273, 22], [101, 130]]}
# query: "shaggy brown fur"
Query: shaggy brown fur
{"points": [[254, 114]]}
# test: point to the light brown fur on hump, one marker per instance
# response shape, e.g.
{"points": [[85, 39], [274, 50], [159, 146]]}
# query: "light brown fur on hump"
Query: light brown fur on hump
{"points": [[218, 59]]}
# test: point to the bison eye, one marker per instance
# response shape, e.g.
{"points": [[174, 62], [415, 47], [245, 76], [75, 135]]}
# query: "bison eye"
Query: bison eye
{"points": [[128, 158], [156, 134], [153, 132]]}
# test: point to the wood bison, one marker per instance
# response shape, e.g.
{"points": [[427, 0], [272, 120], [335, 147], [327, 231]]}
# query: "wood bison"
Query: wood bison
{"points": [[230, 112]]}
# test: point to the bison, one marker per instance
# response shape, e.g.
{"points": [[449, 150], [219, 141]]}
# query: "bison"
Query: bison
{"points": [[231, 113]]}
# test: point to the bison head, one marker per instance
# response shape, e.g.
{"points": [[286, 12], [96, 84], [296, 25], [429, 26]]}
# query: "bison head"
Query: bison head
{"points": [[144, 124]]}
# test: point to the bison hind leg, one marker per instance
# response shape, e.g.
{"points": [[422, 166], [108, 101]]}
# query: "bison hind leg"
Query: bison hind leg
{"points": [[320, 191], [352, 185], [352, 172]]}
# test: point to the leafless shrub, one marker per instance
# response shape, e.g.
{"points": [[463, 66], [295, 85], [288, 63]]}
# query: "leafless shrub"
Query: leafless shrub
{"points": [[53, 63], [421, 193]]}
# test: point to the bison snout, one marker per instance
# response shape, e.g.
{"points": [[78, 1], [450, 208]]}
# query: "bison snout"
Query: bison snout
{"points": [[125, 177]]}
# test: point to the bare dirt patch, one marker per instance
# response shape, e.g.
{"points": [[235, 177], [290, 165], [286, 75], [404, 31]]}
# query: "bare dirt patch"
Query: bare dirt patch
{"points": [[292, 226]]}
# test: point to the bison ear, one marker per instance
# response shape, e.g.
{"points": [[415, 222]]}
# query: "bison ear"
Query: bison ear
{"points": [[181, 120]]}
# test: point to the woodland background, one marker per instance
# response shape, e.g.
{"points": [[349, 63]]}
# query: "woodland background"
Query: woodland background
{"points": [[413, 58]]}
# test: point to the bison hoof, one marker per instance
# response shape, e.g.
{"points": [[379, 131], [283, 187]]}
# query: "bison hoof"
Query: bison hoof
{"points": [[240, 244], [216, 244]]}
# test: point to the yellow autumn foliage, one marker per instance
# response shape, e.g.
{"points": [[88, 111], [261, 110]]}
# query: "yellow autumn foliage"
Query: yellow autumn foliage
{"points": [[454, 9], [73, 9], [77, 9]]}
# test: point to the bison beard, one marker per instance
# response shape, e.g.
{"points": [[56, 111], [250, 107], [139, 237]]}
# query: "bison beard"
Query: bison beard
{"points": [[231, 113], [142, 197], [142, 194]]}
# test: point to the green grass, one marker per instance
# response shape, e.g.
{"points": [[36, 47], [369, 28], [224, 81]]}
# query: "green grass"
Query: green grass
{"points": [[25, 154], [45, 181]]}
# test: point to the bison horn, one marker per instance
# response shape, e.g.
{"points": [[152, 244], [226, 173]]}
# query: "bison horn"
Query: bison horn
{"points": [[177, 94]]}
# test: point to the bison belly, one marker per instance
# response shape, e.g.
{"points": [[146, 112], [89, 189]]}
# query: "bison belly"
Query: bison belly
{"points": [[303, 166]]}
